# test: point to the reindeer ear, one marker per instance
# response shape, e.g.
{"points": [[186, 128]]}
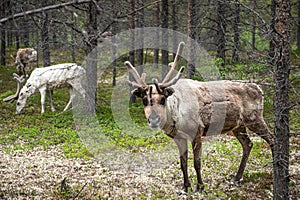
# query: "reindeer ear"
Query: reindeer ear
{"points": [[168, 91], [139, 92]]}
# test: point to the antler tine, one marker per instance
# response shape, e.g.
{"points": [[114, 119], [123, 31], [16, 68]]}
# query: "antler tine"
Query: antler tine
{"points": [[173, 81], [140, 82], [174, 63], [178, 53], [20, 80]]}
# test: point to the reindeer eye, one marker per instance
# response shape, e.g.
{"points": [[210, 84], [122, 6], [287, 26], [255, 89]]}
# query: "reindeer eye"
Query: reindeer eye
{"points": [[162, 101], [21, 94], [18, 103], [145, 101]]}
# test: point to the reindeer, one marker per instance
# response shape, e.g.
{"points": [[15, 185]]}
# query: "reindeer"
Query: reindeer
{"points": [[185, 110], [25, 56], [47, 78]]}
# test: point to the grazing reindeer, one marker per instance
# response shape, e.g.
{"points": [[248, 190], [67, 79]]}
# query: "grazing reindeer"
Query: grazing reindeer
{"points": [[47, 78], [25, 56], [184, 110]]}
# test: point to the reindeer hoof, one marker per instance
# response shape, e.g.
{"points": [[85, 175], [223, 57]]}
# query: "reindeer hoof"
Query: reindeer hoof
{"points": [[237, 182], [200, 188], [182, 193]]}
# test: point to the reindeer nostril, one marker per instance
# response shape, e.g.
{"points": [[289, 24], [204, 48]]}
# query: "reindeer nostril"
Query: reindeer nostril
{"points": [[154, 120]]}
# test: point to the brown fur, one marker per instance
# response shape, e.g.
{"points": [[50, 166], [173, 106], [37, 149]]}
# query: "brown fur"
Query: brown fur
{"points": [[24, 57]]}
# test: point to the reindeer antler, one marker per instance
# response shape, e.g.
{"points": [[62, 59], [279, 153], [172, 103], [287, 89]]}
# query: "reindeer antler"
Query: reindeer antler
{"points": [[20, 80], [167, 80], [174, 63], [139, 80]]}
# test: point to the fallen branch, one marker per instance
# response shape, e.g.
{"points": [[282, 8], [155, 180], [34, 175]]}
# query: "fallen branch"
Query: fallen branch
{"points": [[80, 191]]}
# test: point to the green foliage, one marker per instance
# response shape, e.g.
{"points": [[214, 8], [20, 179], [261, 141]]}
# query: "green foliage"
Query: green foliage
{"points": [[242, 70], [261, 43]]}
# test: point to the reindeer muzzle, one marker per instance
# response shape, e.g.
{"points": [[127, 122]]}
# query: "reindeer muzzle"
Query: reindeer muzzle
{"points": [[154, 120]]}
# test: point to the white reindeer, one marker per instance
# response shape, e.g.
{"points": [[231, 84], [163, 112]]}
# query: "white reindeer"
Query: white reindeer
{"points": [[25, 56], [47, 78], [187, 110]]}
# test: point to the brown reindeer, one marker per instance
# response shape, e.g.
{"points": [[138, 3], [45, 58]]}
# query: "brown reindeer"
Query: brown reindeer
{"points": [[185, 109], [24, 57]]}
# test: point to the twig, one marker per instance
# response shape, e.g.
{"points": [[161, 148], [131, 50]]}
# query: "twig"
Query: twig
{"points": [[80, 191]]}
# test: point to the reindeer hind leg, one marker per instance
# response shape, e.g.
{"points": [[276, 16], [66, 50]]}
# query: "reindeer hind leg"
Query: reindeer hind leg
{"points": [[50, 99], [72, 95]]}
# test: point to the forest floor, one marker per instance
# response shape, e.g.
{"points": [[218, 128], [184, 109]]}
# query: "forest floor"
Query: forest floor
{"points": [[38, 174]]}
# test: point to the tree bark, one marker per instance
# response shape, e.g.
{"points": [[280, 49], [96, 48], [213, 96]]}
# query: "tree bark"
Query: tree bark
{"points": [[140, 39], [174, 26], [165, 36], [298, 27], [45, 38], [192, 35], [156, 15], [254, 27], [3, 34], [91, 68], [131, 25], [272, 34], [281, 99], [3, 47], [221, 26], [236, 42]]}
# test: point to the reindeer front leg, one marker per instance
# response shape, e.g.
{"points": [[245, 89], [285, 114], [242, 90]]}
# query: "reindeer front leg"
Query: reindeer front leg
{"points": [[183, 151], [24, 71], [43, 97]]}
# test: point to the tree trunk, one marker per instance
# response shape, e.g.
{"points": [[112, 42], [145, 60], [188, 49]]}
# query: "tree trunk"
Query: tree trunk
{"points": [[131, 26], [140, 39], [114, 29], [254, 27], [3, 47], [192, 35], [131, 47], [73, 39], [45, 38], [174, 26], [236, 42], [17, 40], [3, 34], [272, 35], [298, 27], [91, 68], [25, 31], [221, 26], [156, 24], [165, 36], [281, 99]]}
